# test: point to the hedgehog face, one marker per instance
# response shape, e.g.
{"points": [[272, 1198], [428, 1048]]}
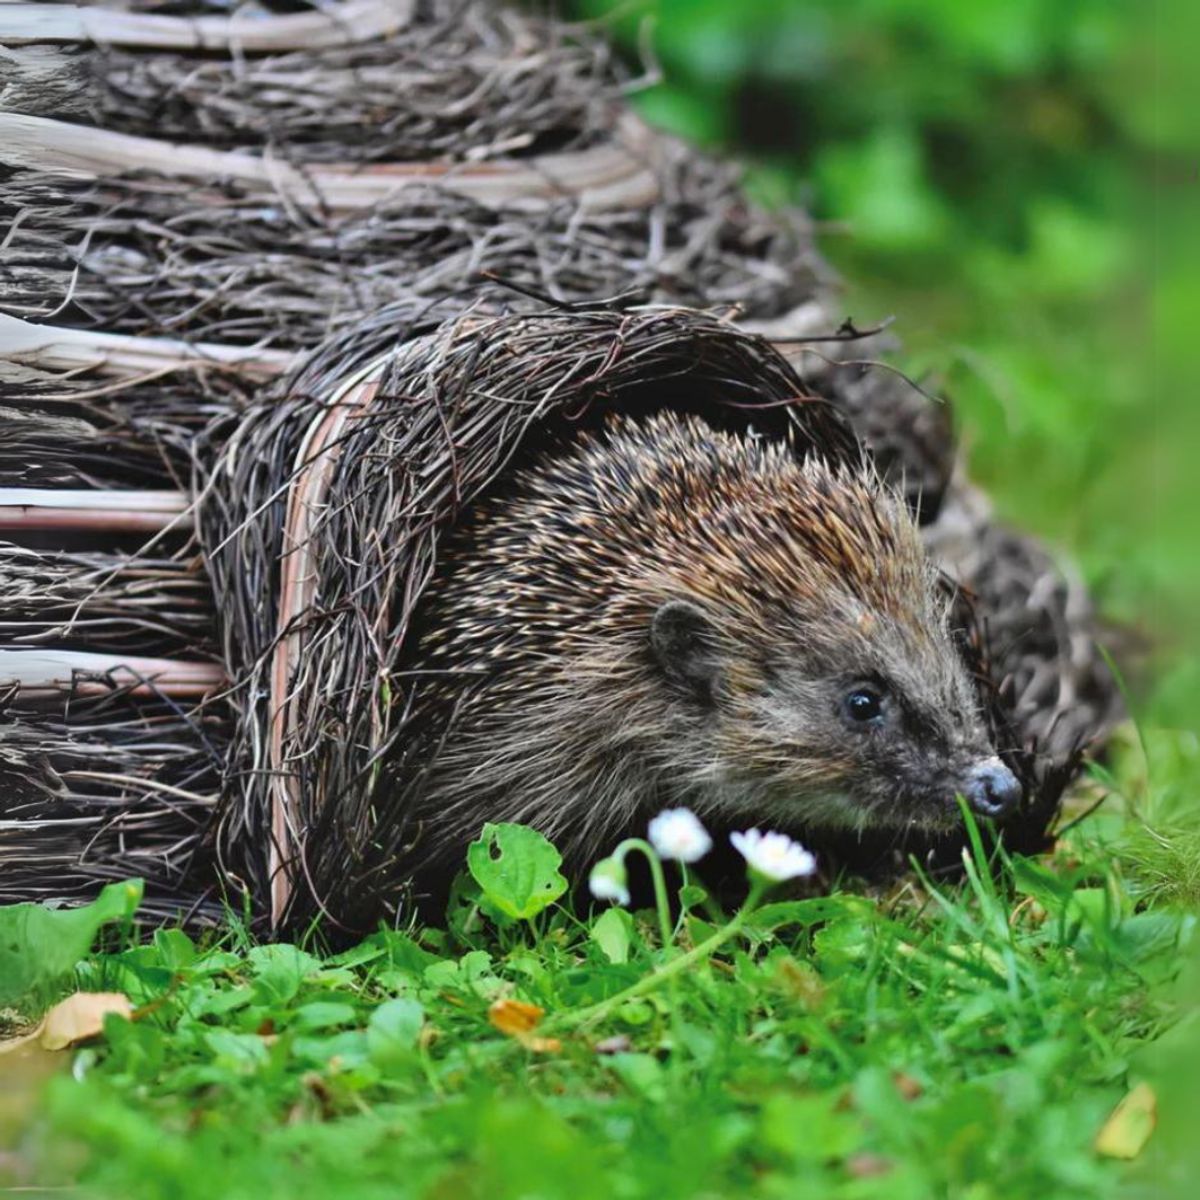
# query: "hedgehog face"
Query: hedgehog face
{"points": [[870, 722]]}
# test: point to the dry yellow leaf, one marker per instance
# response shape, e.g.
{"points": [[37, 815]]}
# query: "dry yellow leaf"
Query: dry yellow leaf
{"points": [[519, 1020], [515, 1017], [1129, 1126], [80, 1017]]}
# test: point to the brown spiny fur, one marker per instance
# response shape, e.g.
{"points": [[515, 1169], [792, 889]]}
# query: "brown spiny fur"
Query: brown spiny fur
{"points": [[559, 698]]}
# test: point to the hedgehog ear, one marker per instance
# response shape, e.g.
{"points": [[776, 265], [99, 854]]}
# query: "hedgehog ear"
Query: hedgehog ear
{"points": [[685, 644]]}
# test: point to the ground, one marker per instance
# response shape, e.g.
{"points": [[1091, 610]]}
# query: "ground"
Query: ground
{"points": [[1001, 1037]]}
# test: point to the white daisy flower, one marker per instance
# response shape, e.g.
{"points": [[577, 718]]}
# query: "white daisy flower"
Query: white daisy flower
{"points": [[773, 855], [676, 833], [608, 881]]}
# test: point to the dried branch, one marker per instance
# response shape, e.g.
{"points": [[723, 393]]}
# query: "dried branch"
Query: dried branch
{"points": [[334, 25]]}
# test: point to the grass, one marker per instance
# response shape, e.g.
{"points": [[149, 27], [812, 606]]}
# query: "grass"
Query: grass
{"points": [[964, 1041]]}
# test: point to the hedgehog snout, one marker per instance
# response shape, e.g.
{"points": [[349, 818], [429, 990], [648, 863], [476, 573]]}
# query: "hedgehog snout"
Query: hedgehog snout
{"points": [[991, 789]]}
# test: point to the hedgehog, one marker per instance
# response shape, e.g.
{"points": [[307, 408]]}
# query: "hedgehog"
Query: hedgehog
{"points": [[666, 614]]}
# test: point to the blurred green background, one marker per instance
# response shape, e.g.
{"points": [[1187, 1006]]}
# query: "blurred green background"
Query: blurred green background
{"points": [[1012, 180]]}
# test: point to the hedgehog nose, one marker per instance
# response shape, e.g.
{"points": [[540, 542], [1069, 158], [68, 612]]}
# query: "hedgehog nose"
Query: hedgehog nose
{"points": [[992, 790]]}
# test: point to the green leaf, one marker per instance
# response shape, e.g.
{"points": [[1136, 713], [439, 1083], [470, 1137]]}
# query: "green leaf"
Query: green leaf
{"points": [[279, 971], [466, 906], [238, 1052], [613, 933], [393, 1030], [405, 954], [369, 951], [176, 951], [517, 869], [810, 1128], [636, 1012], [809, 912], [643, 1074], [325, 1014], [348, 1048], [843, 944], [39, 946]]}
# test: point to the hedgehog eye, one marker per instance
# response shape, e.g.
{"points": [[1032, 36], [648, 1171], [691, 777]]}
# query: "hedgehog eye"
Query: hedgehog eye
{"points": [[865, 704]]}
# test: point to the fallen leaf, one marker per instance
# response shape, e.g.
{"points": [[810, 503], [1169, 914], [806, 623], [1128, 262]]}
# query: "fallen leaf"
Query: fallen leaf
{"points": [[519, 1020], [80, 1017], [1129, 1126], [515, 1017]]}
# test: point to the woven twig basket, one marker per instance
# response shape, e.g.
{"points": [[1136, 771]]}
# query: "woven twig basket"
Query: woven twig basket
{"points": [[281, 296]]}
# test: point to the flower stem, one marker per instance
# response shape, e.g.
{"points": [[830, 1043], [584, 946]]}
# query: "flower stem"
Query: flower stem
{"points": [[660, 884], [669, 970], [666, 935]]}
